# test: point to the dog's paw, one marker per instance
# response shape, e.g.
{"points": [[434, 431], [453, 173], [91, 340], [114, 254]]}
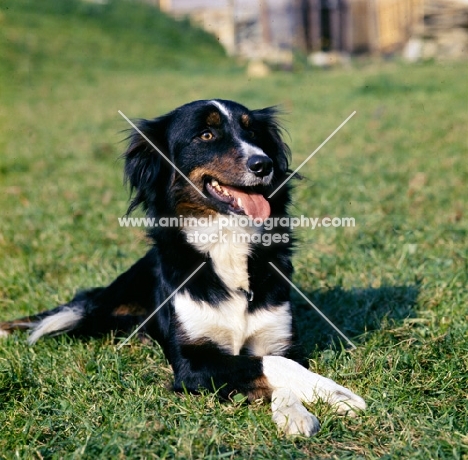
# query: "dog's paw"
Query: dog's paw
{"points": [[296, 420], [344, 401], [291, 416], [310, 387]]}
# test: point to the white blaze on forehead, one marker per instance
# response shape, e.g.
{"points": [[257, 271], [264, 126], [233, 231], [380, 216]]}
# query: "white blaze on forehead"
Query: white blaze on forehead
{"points": [[221, 108], [247, 148], [250, 149]]}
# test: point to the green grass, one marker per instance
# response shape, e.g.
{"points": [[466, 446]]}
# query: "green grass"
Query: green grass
{"points": [[396, 283]]}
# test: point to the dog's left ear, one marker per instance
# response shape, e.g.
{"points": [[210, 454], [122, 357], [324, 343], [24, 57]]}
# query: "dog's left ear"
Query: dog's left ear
{"points": [[277, 150], [144, 165]]}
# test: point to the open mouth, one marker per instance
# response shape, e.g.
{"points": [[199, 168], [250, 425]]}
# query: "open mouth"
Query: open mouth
{"points": [[239, 201]]}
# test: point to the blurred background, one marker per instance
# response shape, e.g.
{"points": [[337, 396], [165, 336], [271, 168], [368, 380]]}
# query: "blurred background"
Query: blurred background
{"points": [[272, 30]]}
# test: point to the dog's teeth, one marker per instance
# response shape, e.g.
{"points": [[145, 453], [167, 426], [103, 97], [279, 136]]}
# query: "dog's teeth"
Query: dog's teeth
{"points": [[214, 183], [239, 202], [225, 192], [218, 187]]}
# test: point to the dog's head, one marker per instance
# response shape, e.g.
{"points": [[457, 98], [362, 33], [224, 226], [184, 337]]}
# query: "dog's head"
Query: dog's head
{"points": [[213, 157]]}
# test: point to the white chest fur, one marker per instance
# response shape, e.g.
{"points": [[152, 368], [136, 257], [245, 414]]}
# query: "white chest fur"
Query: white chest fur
{"points": [[229, 248], [229, 324], [232, 327]]}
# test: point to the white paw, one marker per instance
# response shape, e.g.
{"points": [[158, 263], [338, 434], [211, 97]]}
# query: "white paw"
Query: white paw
{"points": [[345, 402], [291, 416], [310, 387]]}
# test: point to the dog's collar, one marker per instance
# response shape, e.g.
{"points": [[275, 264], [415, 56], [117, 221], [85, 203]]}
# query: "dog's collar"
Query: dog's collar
{"points": [[248, 294]]}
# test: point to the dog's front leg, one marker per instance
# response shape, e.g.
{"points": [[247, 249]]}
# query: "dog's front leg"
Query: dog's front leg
{"points": [[292, 383], [286, 382]]}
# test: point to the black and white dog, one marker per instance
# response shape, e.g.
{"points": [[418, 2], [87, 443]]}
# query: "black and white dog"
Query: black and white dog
{"points": [[230, 327]]}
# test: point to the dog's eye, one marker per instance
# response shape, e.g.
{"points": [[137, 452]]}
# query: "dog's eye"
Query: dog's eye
{"points": [[251, 134], [206, 136]]}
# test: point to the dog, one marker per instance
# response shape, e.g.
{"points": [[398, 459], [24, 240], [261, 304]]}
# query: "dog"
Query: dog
{"points": [[218, 304]]}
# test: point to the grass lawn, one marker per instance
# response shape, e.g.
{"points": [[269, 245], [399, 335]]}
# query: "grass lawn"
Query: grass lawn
{"points": [[396, 283]]}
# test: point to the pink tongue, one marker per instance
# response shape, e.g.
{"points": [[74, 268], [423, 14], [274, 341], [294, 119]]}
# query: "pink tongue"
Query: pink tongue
{"points": [[254, 204]]}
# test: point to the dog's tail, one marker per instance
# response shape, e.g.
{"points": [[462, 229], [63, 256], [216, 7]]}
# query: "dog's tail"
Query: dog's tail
{"points": [[122, 305], [84, 315], [64, 318]]}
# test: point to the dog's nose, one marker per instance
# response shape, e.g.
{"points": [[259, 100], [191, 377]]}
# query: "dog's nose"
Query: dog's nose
{"points": [[260, 165]]}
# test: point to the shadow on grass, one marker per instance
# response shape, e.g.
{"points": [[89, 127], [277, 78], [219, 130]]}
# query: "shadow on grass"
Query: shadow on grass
{"points": [[354, 312]]}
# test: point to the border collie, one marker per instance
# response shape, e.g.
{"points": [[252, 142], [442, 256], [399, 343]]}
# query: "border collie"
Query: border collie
{"points": [[230, 327]]}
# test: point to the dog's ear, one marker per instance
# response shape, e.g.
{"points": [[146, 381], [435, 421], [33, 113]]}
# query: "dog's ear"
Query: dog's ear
{"points": [[277, 150], [144, 165]]}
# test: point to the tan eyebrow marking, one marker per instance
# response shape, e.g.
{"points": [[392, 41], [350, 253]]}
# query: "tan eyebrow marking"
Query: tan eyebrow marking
{"points": [[213, 119], [245, 120]]}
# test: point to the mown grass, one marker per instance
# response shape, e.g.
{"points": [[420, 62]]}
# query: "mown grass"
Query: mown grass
{"points": [[395, 284]]}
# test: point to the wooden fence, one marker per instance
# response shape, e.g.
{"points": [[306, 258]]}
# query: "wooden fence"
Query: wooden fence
{"points": [[380, 26]]}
